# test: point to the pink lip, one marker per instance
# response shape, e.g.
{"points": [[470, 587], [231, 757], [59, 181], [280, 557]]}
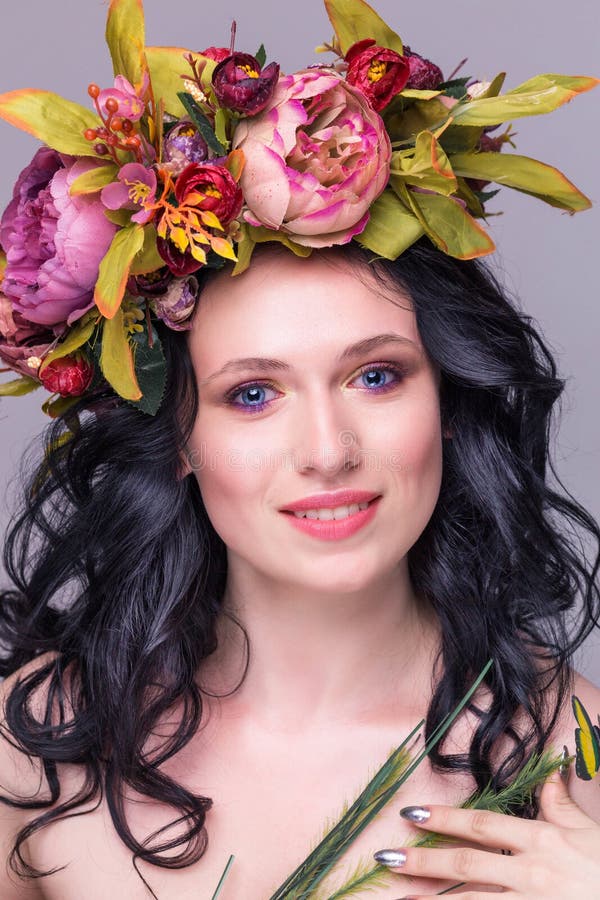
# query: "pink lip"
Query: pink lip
{"points": [[330, 500], [334, 530]]}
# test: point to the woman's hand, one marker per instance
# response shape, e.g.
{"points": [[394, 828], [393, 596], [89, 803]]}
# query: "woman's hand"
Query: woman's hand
{"points": [[554, 859]]}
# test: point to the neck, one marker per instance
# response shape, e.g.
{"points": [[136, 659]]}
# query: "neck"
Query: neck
{"points": [[320, 658]]}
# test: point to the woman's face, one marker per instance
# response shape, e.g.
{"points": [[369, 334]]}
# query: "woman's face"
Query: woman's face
{"points": [[315, 422]]}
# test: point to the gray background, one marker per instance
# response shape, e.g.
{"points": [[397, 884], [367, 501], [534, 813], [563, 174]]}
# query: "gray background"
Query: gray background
{"points": [[546, 257]]}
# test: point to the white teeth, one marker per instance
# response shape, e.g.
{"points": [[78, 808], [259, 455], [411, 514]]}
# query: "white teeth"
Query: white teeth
{"points": [[340, 512]]}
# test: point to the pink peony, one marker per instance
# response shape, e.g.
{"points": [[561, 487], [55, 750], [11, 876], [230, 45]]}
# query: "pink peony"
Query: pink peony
{"points": [[53, 242], [316, 159]]}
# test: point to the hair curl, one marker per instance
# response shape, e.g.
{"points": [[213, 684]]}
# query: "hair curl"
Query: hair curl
{"points": [[117, 568]]}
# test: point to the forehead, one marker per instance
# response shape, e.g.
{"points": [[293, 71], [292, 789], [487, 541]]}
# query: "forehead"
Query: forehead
{"points": [[289, 307]]}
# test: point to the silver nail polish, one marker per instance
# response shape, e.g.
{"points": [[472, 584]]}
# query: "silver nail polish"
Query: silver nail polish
{"points": [[390, 857], [416, 814]]}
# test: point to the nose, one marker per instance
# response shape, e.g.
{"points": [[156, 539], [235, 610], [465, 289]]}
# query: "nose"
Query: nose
{"points": [[327, 441]]}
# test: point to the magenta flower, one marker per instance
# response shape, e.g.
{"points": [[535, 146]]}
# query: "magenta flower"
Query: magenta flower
{"points": [[316, 159], [131, 105], [53, 242], [135, 189], [242, 86]]}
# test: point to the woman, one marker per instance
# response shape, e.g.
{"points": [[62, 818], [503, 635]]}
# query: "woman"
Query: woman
{"points": [[190, 662]]}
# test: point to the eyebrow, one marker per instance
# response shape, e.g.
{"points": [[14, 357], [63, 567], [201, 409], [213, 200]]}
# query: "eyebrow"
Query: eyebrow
{"points": [[265, 364]]}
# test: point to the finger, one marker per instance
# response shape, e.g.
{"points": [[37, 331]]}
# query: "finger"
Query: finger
{"points": [[477, 825], [464, 864], [468, 895], [559, 808]]}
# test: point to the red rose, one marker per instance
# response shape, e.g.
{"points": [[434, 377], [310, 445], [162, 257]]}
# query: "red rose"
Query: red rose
{"points": [[68, 376], [207, 187], [376, 71], [210, 187]]}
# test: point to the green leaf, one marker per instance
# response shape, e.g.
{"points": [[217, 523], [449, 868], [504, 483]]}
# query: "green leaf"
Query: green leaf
{"points": [[391, 228], [120, 217], [415, 94], [448, 224], [460, 138], [221, 120], [261, 55], [115, 267], [94, 180], [150, 370], [125, 37], [147, 259], [427, 166], [355, 20], [116, 358], [167, 65], [539, 95], [76, 337], [19, 386], [524, 174], [57, 122], [55, 408], [201, 123]]}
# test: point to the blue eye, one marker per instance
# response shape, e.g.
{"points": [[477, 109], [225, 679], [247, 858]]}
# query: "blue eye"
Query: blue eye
{"points": [[371, 373]]}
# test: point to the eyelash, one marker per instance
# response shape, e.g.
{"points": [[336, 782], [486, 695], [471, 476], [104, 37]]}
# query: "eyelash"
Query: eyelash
{"points": [[230, 397]]}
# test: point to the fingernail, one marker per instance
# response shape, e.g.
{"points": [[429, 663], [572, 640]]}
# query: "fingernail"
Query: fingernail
{"points": [[417, 814], [390, 857]]}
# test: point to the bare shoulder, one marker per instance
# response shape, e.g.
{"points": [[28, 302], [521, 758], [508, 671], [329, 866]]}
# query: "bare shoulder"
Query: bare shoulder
{"points": [[20, 776], [585, 793]]}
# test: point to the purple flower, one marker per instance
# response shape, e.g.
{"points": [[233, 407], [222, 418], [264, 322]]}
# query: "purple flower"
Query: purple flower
{"points": [[184, 145], [53, 242], [241, 85], [135, 188], [177, 304]]}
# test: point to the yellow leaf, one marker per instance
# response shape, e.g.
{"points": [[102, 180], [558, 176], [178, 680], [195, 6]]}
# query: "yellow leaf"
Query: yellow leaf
{"points": [[178, 237], [198, 253], [93, 180], [115, 268], [355, 20], [125, 36], [76, 338], [210, 219], [116, 358], [524, 174], [223, 248], [57, 122]]}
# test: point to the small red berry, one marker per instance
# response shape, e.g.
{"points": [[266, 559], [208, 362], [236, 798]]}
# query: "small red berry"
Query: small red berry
{"points": [[93, 91], [127, 126], [112, 105], [90, 134], [117, 124], [101, 149]]}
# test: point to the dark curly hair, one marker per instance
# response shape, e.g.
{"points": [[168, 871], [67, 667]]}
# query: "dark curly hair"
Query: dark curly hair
{"points": [[117, 569]]}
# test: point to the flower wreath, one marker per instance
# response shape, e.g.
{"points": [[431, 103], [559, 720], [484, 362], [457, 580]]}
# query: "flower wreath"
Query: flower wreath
{"points": [[191, 159]]}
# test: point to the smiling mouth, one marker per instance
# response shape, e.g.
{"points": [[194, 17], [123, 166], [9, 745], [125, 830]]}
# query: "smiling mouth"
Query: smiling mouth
{"points": [[338, 513]]}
